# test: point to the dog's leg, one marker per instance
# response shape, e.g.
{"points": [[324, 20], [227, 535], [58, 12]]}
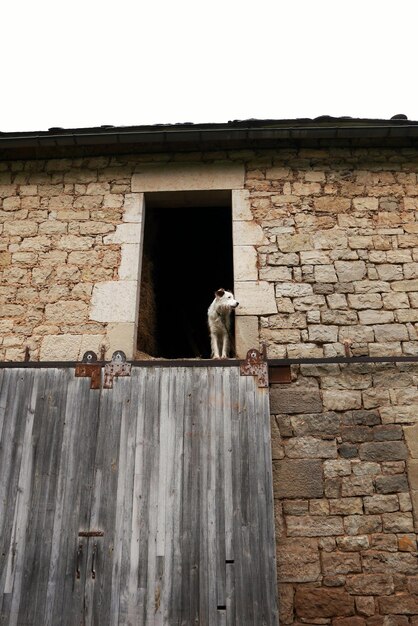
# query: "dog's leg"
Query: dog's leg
{"points": [[225, 346], [214, 346]]}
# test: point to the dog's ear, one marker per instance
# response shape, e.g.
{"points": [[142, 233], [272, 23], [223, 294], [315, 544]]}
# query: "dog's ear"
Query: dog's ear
{"points": [[219, 293]]}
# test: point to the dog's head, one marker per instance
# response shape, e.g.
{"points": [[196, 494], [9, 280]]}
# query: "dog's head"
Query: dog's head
{"points": [[226, 299]]}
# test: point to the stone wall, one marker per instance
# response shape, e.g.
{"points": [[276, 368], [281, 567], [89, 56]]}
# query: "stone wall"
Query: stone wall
{"points": [[345, 531], [326, 262], [59, 224], [342, 255]]}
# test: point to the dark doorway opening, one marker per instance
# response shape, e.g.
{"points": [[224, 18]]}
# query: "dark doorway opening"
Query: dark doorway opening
{"points": [[187, 256]]}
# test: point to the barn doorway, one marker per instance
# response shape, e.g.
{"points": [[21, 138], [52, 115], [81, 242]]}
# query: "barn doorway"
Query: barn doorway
{"points": [[187, 255]]}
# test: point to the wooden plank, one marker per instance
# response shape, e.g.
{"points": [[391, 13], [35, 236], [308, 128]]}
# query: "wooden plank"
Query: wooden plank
{"points": [[202, 393], [255, 548], [232, 515], [164, 613], [129, 604], [102, 590], [65, 594], [189, 550], [173, 586], [270, 601], [11, 433], [212, 563], [26, 390], [46, 441], [222, 408], [153, 414]]}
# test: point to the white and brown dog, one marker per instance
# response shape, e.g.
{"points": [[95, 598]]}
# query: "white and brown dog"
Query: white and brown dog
{"points": [[219, 320]]}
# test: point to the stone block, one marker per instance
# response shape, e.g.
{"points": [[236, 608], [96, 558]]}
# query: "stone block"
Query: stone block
{"points": [[245, 264], [247, 233], [340, 563], [278, 258], [323, 333], [330, 239], [346, 506], [390, 562], [130, 262], [294, 243], [286, 593], [356, 486], [188, 177], [325, 274], [294, 478], [356, 333], [383, 451], [362, 524], [411, 438], [312, 603], [318, 425], [387, 432], [125, 233], [405, 285], [406, 315], [399, 414], [375, 398], [353, 544], [365, 301], [298, 560], [241, 208], [381, 504], [362, 468], [334, 469], [341, 400], [400, 604], [121, 336], [398, 523], [133, 207], [391, 332], [295, 507], [370, 584], [246, 335], [349, 271], [115, 301], [393, 484], [389, 271], [412, 465], [366, 204], [298, 397], [314, 257], [393, 301], [66, 312], [348, 450], [310, 448], [332, 204], [314, 526], [356, 434], [375, 317], [407, 543], [293, 290], [255, 298], [371, 287], [365, 605]]}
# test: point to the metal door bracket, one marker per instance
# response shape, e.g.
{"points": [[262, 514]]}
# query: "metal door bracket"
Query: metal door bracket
{"points": [[117, 367], [90, 368], [255, 365]]}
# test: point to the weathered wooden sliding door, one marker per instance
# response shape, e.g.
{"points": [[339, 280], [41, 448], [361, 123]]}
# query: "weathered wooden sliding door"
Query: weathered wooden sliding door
{"points": [[146, 504]]}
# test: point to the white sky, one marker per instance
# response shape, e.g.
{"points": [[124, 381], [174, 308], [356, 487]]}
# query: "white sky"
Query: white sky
{"points": [[87, 63]]}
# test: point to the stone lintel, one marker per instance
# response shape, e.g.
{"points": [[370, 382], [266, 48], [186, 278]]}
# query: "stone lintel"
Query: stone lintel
{"points": [[188, 177]]}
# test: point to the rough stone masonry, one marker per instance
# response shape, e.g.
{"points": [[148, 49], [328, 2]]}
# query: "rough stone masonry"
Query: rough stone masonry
{"points": [[337, 264]]}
